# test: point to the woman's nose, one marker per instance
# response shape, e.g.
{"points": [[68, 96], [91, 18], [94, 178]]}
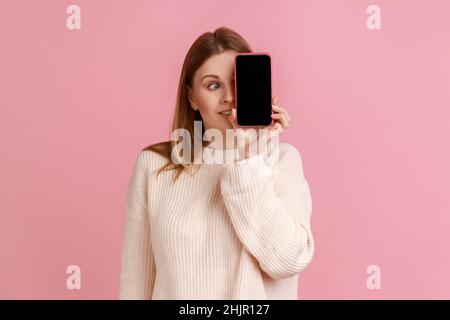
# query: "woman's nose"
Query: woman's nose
{"points": [[229, 96]]}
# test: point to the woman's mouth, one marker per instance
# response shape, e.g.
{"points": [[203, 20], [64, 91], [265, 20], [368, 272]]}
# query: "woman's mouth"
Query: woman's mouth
{"points": [[225, 113]]}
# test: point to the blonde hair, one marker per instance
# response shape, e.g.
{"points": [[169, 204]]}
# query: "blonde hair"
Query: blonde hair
{"points": [[206, 45]]}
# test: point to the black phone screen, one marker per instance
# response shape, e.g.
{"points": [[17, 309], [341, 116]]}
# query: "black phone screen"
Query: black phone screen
{"points": [[253, 89]]}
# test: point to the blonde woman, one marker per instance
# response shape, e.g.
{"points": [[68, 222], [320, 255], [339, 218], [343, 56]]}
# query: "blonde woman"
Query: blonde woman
{"points": [[237, 230]]}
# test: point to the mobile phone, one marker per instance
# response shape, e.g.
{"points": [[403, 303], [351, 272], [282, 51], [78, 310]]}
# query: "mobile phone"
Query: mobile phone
{"points": [[253, 89]]}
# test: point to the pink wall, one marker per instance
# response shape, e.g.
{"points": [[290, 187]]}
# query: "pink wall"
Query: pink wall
{"points": [[370, 113]]}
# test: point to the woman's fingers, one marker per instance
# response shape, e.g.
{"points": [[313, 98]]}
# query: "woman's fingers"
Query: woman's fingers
{"points": [[232, 118], [282, 118], [279, 109]]}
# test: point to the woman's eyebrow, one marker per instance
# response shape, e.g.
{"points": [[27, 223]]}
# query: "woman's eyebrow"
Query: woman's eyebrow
{"points": [[214, 76], [211, 75]]}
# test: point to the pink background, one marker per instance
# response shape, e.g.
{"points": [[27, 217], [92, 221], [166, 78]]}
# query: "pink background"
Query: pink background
{"points": [[370, 113]]}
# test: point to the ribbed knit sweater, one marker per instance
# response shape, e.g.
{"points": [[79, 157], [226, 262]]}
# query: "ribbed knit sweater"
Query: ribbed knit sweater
{"points": [[238, 230]]}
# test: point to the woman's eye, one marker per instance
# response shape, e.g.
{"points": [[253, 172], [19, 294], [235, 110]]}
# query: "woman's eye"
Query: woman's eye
{"points": [[213, 84]]}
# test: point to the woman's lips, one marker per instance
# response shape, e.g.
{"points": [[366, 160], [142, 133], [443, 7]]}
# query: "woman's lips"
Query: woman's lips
{"points": [[225, 113]]}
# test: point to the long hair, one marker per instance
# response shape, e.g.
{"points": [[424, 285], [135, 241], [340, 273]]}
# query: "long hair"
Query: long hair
{"points": [[206, 45]]}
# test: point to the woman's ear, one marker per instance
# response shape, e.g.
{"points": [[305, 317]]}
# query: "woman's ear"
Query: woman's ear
{"points": [[191, 98]]}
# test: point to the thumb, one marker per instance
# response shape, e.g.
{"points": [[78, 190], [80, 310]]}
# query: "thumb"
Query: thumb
{"points": [[232, 118]]}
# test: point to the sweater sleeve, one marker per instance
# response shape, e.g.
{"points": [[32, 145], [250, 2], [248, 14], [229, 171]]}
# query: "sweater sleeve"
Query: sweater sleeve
{"points": [[137, 272], [272, 223]]}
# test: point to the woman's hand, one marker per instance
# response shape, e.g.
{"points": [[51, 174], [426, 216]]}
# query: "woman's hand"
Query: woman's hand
{"points": [[280, 122]]}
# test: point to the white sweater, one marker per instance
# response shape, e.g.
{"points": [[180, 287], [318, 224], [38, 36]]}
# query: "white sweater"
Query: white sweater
{"points": [[238, 230]]}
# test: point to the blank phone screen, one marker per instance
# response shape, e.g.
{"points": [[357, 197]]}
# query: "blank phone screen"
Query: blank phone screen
{"points": [[253, 90]]}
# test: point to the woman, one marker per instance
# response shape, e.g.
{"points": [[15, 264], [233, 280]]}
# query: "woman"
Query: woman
{"points": [[239, 230]]}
